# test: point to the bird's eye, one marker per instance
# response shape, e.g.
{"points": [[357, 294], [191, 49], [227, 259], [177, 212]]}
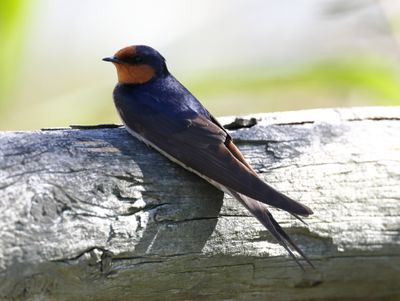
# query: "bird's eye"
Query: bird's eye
{"points": [[137, 59]]}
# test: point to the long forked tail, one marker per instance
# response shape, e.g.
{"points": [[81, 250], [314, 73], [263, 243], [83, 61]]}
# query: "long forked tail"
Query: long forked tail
{"points": [[260, 211]]}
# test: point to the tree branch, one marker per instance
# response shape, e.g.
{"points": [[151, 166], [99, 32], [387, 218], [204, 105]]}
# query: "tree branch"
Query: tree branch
{"points": [[95, 214]]}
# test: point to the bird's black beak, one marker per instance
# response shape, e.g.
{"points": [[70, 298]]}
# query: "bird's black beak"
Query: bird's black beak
{"points": [[113, 60]]}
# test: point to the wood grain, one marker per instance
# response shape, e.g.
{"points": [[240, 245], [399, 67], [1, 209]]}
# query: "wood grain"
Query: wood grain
{"points": [[93, 214]]}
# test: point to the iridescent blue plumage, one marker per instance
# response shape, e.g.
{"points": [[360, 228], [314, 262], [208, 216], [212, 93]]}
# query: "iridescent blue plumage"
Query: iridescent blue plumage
{"points": [[164, 94]]}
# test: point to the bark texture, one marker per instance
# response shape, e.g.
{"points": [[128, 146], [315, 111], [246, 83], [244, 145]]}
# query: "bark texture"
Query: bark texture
{"points": [[94, 214]]}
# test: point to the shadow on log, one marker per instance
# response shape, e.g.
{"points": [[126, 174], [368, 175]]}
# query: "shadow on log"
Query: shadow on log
{"points": [[95, 214]]}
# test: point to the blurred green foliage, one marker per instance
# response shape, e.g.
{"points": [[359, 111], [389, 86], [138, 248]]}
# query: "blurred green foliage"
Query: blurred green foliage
{"points": [[341, 82], [338, 81], [13, 15]]}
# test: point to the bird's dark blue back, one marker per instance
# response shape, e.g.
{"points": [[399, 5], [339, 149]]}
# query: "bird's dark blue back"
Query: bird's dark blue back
{"points": [[164, 96]]}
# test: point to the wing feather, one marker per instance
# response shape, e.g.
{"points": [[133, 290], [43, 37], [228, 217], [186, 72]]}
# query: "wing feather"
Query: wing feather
{"points": [[199, 143]]}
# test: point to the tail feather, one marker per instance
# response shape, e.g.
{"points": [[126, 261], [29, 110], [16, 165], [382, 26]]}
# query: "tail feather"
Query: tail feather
{"points": [[299, 218], [286, 237], [260, 211]]}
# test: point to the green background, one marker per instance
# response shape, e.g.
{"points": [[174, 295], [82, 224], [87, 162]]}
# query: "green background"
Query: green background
{"points": [[237, 57]]}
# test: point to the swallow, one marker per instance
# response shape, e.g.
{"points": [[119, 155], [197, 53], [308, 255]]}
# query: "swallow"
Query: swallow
{"points": [[159, 111]]}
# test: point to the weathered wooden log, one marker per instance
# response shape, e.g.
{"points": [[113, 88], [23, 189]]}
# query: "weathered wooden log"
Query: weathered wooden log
{"points": [[94, 214]]}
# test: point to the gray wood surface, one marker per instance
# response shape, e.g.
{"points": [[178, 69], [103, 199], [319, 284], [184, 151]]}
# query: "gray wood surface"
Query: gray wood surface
{"points": [[93, 214]]}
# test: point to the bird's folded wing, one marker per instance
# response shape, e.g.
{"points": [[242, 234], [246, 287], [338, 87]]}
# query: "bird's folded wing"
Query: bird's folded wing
{"points": [[200, 144]]}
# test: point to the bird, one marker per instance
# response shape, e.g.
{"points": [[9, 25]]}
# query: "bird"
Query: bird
{"points": [[159, 111]]}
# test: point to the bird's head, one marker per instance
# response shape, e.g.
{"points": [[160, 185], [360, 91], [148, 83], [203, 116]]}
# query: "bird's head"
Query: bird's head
{"points": [[138, 64]]}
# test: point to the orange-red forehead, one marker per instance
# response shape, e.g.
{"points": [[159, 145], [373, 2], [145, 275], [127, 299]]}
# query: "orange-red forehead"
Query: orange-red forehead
{"points": [[129, 51]]}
